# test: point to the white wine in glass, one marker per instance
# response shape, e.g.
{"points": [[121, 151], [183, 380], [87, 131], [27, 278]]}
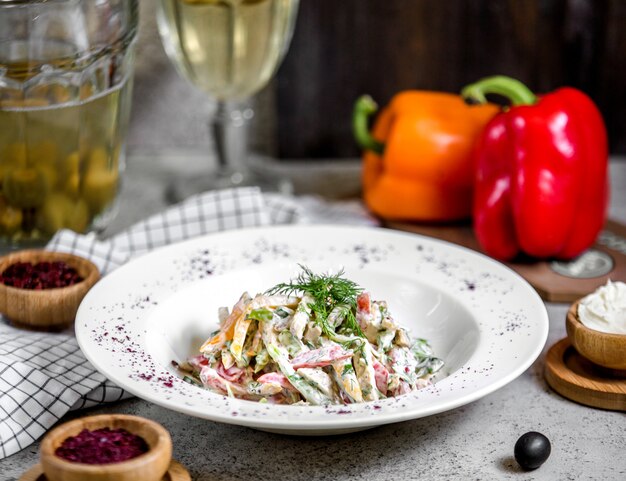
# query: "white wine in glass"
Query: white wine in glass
{"points": [[230, 49]]}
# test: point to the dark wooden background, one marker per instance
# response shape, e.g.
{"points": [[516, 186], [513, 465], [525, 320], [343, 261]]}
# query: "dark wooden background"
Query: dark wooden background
{"points": [[344, 48]]}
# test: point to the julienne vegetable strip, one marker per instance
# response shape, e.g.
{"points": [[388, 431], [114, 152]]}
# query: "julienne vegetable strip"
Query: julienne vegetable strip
{"points": [[324, 356], [318, 339], [364, 368], [239, 336], [309, 392], [347, 381], [228, 326]]}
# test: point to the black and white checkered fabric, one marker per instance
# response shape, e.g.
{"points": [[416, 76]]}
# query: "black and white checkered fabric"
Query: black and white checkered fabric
{"points": [[45, 375]]}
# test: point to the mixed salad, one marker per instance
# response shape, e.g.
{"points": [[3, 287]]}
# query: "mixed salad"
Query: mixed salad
{"points": [[318, 339]]}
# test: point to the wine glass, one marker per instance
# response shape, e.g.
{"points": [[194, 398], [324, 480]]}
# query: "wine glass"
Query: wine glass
{"points": [[230, 49]]}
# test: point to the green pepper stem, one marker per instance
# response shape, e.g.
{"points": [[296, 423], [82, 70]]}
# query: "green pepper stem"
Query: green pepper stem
{"points": [[363, 109], [514, 90]]}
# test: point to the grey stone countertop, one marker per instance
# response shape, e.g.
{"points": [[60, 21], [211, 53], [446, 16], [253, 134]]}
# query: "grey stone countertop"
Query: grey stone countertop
{"points": [[471, 442]]}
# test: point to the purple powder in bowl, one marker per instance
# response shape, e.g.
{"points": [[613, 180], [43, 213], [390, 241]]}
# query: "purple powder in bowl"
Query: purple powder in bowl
{"points": [[43, 275], [102, 446]]}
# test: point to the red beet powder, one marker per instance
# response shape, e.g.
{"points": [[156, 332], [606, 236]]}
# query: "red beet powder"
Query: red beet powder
{"points": [[43, 275], [102, 446]]}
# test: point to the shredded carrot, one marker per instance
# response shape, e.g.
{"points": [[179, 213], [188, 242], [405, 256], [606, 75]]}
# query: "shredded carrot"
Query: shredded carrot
{"points": [[228, 327], [239, 336]]}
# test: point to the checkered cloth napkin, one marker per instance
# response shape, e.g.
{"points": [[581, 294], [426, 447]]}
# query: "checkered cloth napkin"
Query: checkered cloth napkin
{"points": [[45, 375]]}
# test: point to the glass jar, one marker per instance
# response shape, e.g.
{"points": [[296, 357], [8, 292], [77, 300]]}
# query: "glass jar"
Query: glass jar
{"points": [[65, 94]]}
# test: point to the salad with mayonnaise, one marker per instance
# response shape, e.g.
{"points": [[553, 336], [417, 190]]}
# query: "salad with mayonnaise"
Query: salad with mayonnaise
{"points": [[318, 339]]}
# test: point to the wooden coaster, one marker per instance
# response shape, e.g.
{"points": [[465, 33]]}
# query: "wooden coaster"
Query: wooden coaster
{"points": [[554, 281], [578, 379], [176, 472]]}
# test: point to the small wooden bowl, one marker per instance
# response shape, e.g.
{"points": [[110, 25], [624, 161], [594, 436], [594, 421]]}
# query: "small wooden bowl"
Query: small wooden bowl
{"points": [[601, 348], [150, 466], [47, 308]]}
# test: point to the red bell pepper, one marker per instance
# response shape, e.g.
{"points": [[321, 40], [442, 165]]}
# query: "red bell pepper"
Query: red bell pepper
{"points": [[541, 183]]}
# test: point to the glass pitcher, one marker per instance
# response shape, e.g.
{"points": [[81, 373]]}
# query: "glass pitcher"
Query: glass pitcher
{"points": [[65, 94]]}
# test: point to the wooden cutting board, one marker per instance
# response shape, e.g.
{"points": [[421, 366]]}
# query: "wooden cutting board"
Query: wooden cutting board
{"points": [[554, 281]]}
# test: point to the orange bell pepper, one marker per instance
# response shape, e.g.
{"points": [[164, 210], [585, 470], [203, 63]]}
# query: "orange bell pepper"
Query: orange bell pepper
{"points": [[417, 163]]}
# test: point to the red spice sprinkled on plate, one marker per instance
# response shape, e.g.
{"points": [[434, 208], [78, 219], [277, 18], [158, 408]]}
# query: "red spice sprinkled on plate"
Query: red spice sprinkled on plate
{"points": [[43, 275], [102, 446]]}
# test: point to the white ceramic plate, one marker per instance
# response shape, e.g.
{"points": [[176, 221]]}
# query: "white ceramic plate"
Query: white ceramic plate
{"points": [[481, 318]]}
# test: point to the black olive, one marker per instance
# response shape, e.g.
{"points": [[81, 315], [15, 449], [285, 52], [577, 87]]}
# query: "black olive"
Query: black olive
{"points": [[531, 450]]}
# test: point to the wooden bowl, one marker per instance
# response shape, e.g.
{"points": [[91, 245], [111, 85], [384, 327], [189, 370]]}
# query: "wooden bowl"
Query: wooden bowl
{"points": [[150, 466], [47, 308], [606, 350]]}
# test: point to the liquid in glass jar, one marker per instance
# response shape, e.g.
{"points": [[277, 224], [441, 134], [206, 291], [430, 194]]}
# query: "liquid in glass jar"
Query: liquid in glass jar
{"points": [[64, 112]]}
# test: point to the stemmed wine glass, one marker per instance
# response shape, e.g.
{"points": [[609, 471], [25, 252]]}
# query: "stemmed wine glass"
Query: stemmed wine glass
{"points": [[230, 49]]}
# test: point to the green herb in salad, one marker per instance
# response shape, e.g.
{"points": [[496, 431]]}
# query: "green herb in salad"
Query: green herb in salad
{"points": [[328, 292]]}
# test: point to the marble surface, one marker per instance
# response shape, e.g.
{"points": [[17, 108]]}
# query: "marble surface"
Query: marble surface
{"points": [[472, 442]]}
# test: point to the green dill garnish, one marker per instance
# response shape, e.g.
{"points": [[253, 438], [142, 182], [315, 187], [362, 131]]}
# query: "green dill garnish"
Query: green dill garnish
{"points": [[350, 323], [328, 291]]}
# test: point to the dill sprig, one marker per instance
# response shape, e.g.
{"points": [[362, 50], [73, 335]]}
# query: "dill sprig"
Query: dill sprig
{"points": [[327, 291]]}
